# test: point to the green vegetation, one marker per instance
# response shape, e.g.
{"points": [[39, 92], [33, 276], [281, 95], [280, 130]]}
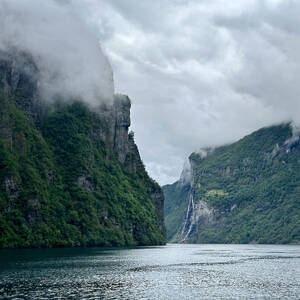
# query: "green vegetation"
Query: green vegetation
{"points": [[174, 208], [253, 186], [61, 186]]}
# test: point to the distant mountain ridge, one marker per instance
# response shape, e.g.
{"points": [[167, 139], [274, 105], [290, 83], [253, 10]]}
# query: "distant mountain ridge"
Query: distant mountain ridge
{"points": [[70, 175], [246, 192]]}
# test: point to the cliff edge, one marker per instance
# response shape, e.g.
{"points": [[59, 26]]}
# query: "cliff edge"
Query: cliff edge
{"points": [[70, 174], [246, 192]]}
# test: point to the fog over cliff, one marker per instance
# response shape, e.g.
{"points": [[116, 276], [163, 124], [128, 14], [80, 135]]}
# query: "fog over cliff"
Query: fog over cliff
{"points": [[65, 47], [199, 73]]}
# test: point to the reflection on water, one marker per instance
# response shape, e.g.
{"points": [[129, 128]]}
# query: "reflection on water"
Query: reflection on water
{"points": [[168, 272]]}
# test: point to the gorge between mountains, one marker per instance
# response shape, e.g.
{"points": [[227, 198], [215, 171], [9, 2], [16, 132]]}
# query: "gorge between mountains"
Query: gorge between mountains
{"points": [[72, 175]]}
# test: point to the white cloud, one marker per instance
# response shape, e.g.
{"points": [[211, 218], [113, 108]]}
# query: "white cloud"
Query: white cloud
{"points": [[203, 73], [65, 46], [199, 73]]}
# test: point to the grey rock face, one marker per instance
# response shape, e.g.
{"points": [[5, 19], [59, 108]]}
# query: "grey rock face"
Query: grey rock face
{"points": [[113, 124], [186, 174], [50, 176], [12, 191], [33, 216], [19, 76], [86, 182], [122, 122], [11, 188], [198, 215], [33, 203]]}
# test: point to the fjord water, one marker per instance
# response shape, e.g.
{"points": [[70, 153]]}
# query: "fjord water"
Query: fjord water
{"points": [[164, 272]]}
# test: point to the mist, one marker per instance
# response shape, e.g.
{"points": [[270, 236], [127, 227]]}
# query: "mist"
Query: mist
{"points": [[202, 73], [199, 74], [65, 47]]}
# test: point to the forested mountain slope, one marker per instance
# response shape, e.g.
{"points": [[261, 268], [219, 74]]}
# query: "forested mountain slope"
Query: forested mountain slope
{"points": [[70, 175], [246, 192]]}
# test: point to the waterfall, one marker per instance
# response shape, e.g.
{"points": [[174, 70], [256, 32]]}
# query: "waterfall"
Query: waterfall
{"points": [[188, 220]]}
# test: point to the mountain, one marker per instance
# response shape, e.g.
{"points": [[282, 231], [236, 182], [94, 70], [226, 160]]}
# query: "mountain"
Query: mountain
{"points": [[246, 192], [70, 175]]}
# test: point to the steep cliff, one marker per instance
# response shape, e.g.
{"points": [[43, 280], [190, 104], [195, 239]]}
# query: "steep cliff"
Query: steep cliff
{"points": [[246, 192], [70, 175]]}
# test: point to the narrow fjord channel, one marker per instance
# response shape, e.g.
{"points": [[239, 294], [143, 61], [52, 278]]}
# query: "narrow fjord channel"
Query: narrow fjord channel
{"points": [[175, 271]]}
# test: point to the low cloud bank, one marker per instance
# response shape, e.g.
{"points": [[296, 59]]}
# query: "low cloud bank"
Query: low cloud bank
{"points": [[202, 73], [64, 46]]}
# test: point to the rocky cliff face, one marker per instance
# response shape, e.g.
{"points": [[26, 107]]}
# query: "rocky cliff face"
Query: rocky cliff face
{"points": [[197, 213], [247, 192], [19, 77], [70, 169]]}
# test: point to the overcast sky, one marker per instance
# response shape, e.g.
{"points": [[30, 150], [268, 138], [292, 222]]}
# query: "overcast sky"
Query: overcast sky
{"points": [[201, 73]]}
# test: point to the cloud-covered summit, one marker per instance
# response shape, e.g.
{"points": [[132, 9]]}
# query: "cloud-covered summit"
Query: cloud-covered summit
{"points": [[64, 44], [199, 73]]}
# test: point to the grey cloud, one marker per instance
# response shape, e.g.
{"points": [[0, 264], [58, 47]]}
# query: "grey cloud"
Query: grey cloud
{"points": [[199, 73], [65, 47], [148, 15], [270, 65], [203, 73]]}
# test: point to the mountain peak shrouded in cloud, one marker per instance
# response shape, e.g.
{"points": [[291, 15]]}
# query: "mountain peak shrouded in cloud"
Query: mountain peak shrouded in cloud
{"points": [[63, 44], [200, 73], [185, 177]]}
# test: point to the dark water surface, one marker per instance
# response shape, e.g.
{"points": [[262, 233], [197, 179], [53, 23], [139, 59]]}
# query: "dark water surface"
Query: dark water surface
{"points": [[167, 272]]}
